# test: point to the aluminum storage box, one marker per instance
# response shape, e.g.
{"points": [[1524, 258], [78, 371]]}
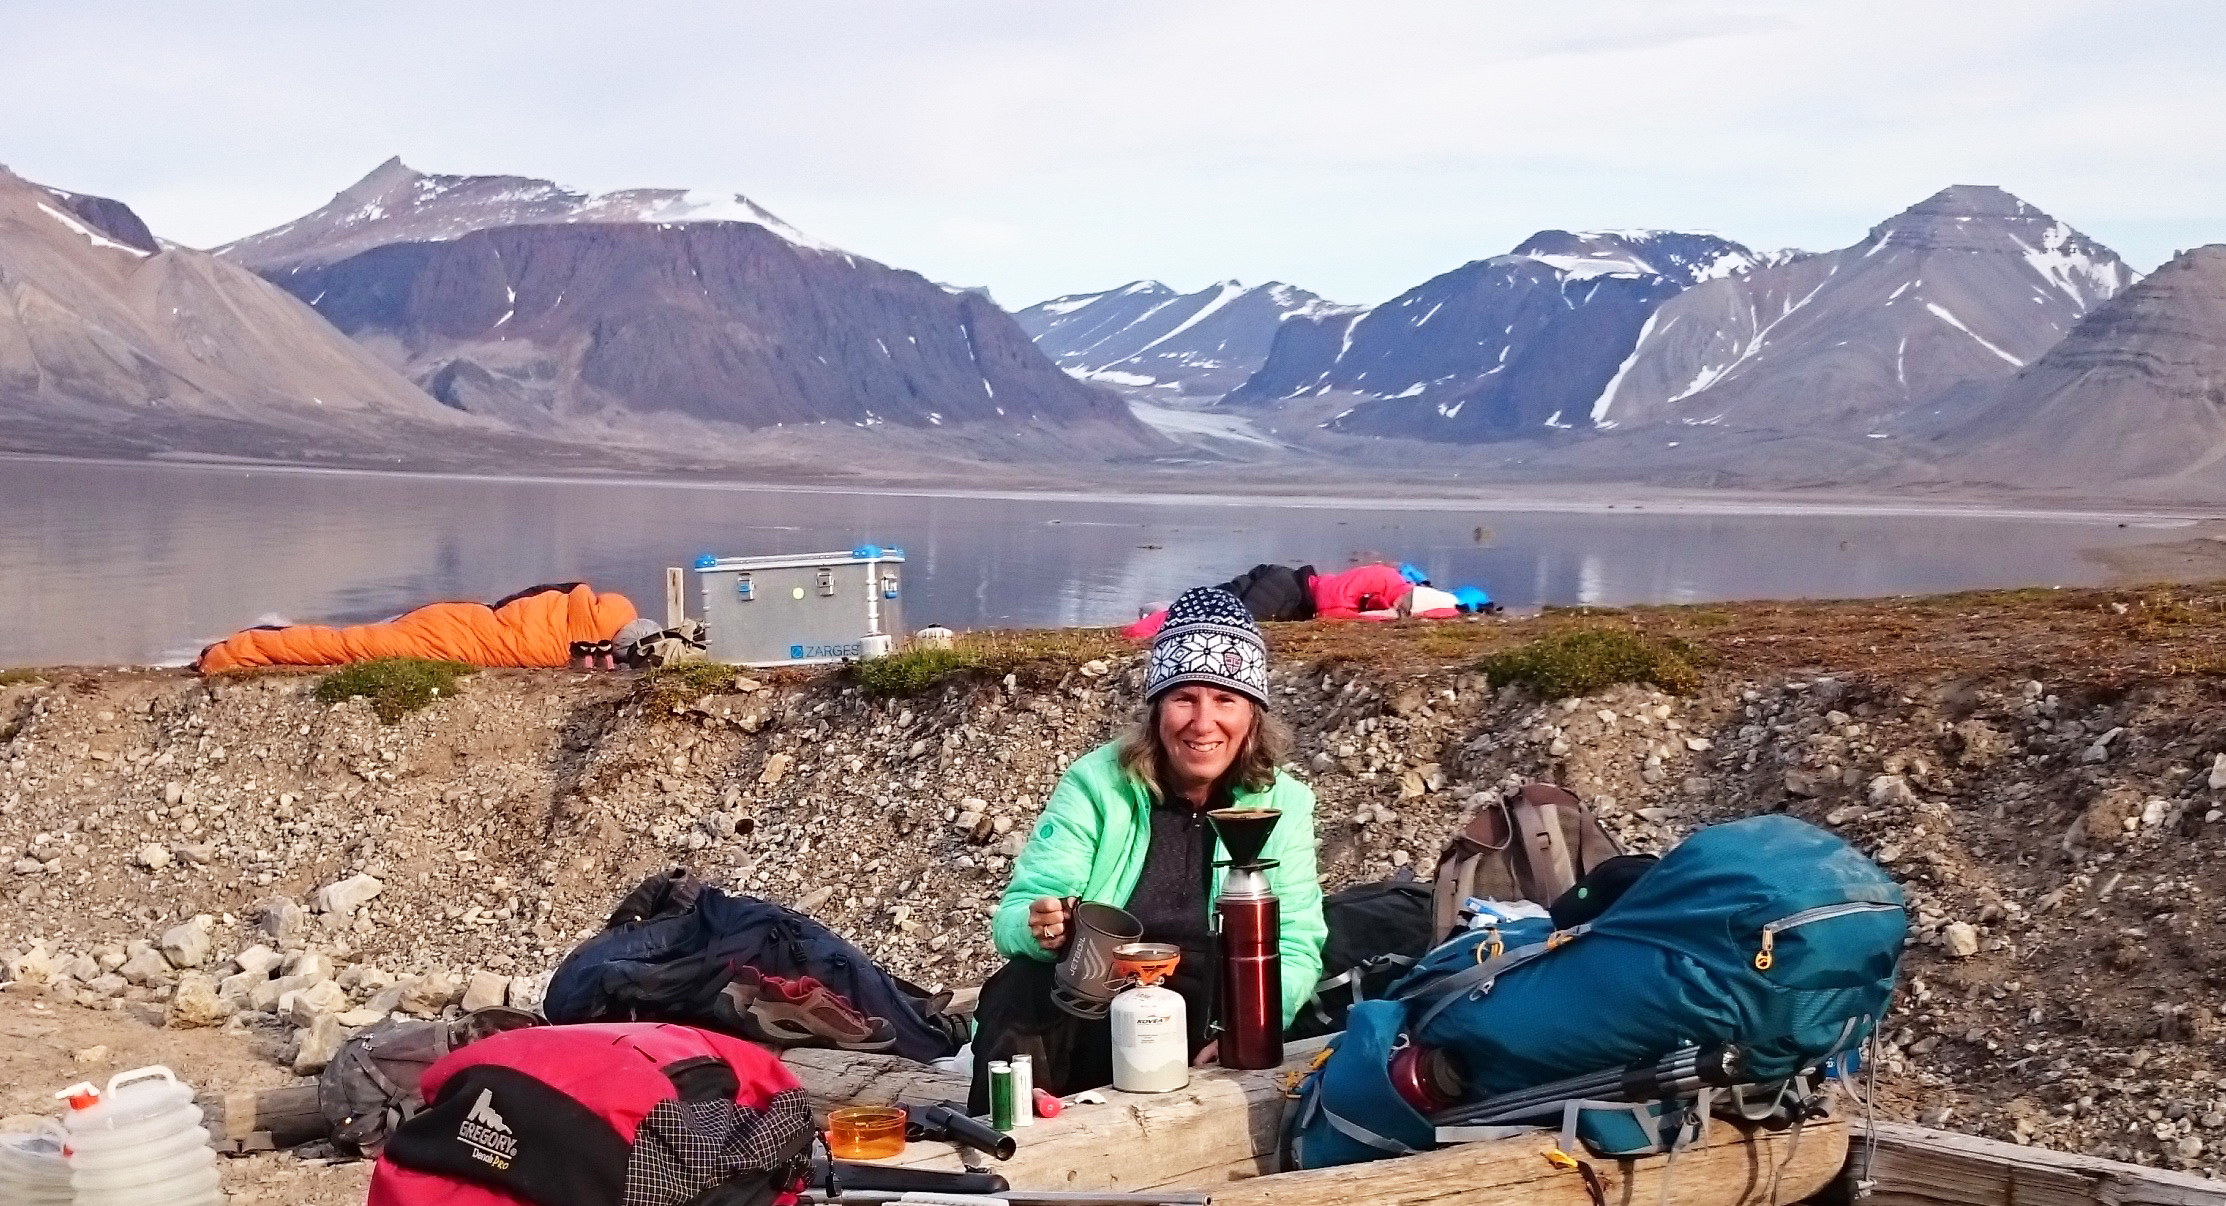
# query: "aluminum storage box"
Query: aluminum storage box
{"points": [[801, 610]]}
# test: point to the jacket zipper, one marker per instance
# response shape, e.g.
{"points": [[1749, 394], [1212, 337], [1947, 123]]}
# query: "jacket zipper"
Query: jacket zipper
{"points": [[1770, 931]]}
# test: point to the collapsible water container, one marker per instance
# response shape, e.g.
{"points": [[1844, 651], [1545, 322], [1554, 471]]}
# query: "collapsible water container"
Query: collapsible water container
{"points": [[140, 1143], [33, 1171]]}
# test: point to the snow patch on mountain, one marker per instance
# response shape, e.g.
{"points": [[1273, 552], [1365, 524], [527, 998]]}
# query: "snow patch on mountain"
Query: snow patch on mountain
{"points": [[1145, 335]]}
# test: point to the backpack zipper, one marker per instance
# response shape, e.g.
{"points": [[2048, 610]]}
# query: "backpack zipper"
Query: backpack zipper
{"points": [[1770, 931]]}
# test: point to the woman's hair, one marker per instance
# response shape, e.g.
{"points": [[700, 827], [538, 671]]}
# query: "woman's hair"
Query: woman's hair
{"points": [[1267, 745]]}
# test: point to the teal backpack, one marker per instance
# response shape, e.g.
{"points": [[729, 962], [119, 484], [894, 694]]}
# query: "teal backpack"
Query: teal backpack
{"points": [[1768, 934]]}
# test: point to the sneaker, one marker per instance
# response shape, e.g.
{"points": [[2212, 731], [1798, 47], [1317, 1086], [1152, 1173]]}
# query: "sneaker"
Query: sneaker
{"points": [[803, 1012]]}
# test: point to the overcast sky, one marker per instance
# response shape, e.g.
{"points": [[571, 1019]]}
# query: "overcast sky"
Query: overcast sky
{"points": [[1354, 147]]}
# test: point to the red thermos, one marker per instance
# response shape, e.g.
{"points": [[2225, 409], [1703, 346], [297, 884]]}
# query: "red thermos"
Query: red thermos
{"points": [[1250, 924]]}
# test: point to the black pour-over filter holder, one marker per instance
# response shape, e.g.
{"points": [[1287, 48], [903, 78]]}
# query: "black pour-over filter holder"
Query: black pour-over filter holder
{"points": [[1244, 833]]}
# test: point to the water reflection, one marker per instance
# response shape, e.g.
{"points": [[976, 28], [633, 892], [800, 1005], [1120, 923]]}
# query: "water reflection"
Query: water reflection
{"points": [[104, 563]]}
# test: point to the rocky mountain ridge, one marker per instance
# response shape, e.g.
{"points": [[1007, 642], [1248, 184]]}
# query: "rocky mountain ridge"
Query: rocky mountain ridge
{"points": [[1511, 347], [110, 338], [2136, 393], [556, 311], [1147, 338], [1903, 329]]}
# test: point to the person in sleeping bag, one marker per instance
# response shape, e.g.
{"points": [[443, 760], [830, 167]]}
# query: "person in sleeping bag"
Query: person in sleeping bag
{"points": [[1127, 827]]}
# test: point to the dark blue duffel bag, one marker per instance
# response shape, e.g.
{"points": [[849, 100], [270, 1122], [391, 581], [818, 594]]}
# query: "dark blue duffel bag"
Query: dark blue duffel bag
{"points": [[677, 951]]}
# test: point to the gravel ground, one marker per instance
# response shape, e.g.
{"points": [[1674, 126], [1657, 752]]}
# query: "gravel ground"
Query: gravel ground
{"points": [[2043, 771]]}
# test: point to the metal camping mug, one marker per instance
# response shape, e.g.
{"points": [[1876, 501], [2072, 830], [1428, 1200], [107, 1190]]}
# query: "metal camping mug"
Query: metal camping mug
{"points": [[1086, 981]]}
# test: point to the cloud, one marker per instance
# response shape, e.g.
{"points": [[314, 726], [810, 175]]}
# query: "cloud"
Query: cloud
{"points": [[1043, 149]]}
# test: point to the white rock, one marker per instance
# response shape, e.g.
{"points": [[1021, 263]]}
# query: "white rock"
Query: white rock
{"points": [[146, 968], [37, 966], [281, 918], [344, 898], [365, 980], [1887, 791], [152, 856], [240, 988], [196, 1004], [1962, 939], [2218, 773], [187, 944], [308, 964], [527, 992], [485, 990], [1698, 744], [427, 995], [258, 960], [357, 1019], [320, 999], [320, 1042]]}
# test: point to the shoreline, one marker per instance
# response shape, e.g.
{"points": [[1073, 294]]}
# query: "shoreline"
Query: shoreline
{"points": [[1558, 498]]}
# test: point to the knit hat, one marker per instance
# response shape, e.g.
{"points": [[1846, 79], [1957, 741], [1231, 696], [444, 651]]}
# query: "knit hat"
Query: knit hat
{"points": [[1209, 638]]}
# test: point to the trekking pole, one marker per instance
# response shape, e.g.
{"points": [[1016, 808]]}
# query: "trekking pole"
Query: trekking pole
{"points": [[1017, 1197], [1640, 1082], [1676, 1074]]}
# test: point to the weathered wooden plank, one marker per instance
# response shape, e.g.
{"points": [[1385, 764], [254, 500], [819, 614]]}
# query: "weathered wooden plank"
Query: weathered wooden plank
{"points": [[1917, 1166], [1225, 1120], [1733, 1169], [838, 1078]]}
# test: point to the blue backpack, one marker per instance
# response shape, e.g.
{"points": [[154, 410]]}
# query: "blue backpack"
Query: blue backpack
{"points": [[1767, 933]]}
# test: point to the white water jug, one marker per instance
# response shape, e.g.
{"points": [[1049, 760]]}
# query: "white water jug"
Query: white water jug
{"points": [[33, 1171], [140, 1143]]}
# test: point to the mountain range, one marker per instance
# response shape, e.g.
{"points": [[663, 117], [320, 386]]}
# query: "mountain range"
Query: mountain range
{"points": [[112, 341], [550, 309], [2136, 393], [1163, 345], [1916, 322], [1970, 340], [1496, 349]]}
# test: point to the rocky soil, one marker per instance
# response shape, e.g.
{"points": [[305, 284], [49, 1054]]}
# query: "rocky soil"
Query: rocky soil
{"points": [[2044, 771]]}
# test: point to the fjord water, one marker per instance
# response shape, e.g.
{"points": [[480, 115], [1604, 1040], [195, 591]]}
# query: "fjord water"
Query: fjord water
{"points": [[109, 563]]}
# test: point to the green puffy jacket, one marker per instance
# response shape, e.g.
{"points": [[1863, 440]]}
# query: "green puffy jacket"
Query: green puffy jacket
{"points": [[1091, 839]]}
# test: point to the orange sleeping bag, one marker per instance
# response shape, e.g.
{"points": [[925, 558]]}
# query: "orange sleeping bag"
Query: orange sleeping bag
{"points": [[534, 627]]}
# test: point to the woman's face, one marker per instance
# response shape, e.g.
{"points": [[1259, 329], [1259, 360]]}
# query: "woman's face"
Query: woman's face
{"points": [[1201, 728]]}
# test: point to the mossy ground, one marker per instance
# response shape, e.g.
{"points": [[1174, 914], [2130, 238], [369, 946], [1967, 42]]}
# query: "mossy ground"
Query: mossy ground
{"points": [[1591, 659], [396, 686]]}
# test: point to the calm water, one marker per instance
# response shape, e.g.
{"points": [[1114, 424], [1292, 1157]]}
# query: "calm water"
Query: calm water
{"points": [[142, 563]]}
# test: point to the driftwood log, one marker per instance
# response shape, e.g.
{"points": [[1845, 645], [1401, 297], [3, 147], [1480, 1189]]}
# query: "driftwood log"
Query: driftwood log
{"points": [[1915, 1166], [1225, 1125], [287, 1115], [1733, 1169]]}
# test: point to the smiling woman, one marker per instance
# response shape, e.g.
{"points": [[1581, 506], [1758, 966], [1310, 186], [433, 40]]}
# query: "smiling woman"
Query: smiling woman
{"points": [[1127, 828]]}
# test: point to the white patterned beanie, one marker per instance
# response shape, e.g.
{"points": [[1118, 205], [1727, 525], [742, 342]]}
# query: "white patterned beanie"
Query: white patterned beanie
{"points": [[1208, 638]]}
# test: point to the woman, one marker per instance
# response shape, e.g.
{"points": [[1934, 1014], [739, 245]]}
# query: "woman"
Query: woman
{"points": [[1127, 827]]}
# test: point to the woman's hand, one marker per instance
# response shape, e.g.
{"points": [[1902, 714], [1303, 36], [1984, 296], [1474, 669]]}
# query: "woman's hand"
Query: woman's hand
{"points": [[1208, 1054], [1047, 920]]}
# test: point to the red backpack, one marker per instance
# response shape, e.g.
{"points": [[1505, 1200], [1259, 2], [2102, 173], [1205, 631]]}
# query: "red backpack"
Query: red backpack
{"points": [[617, 1114]]}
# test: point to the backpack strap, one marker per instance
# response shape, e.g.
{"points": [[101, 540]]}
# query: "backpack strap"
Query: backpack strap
{"points": [[1488, 832], [1479, 979], [1538, 812], [1356, 976]]}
